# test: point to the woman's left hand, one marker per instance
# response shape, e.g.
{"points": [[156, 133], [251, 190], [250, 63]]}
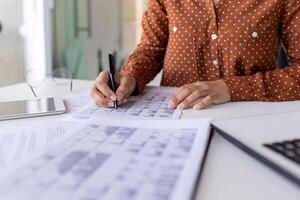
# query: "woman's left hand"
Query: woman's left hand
{"points": [[200, 95]]}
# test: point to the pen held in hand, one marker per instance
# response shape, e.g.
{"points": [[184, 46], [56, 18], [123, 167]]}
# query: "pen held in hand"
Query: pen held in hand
{"points": [[112, 70]]}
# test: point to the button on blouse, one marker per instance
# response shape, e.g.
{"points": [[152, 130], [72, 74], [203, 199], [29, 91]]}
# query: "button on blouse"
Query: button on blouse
{"points": [[237, 41]]}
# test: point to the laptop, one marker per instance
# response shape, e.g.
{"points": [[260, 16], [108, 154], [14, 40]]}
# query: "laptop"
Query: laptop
{"points": [[272, 139]]}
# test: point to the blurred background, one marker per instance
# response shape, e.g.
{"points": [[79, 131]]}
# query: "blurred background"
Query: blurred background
{"points": [[73, 34]]}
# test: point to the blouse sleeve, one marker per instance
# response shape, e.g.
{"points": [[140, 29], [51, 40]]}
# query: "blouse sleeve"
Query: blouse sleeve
{"points": [[147, 60], [280, 84]]}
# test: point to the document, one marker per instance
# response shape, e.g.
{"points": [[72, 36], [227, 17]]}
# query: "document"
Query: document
{"points": [[19, 144], [77, 101], [121, 160], [151, 105]]}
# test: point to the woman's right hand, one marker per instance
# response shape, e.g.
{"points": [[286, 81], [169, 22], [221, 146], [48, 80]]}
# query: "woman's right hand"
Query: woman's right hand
{"points": [[105, 97]]}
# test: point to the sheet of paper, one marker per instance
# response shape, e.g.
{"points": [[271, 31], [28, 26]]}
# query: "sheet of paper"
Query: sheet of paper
{"points": [[77, 101], [152, 105], [121, 160], [19, 144]]}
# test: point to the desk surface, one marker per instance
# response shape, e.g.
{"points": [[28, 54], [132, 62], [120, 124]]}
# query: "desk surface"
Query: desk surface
{"points": [[228, 172]]}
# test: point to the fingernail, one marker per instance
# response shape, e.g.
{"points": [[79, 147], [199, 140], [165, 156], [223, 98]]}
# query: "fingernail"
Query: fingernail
{"points": [[122, 102], [197, 107], [110, 104], [113, 97], [180, 107], [171, 105]]}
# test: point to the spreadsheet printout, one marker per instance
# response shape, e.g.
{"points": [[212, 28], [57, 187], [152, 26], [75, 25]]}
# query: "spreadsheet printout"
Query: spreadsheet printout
{"points": [[116, 161], [153, 104], [18, 144]]}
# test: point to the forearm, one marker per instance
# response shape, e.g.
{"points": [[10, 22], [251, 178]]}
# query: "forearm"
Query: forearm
{"points": [[276, 85], [143, 65]]}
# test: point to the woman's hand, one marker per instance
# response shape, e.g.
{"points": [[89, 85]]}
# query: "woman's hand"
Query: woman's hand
{"points": [[200, 95], [105, 97]]}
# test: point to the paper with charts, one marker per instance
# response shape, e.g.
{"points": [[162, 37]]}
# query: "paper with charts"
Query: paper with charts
{"points": [[129, 160], [152, 105]]}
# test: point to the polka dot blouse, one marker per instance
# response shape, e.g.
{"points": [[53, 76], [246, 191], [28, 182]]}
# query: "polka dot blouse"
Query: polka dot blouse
{"points": [[237, 41]]}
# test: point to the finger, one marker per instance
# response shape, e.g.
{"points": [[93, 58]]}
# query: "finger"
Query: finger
{"points": [[178, 90], [100, 99], [204, 103], [123, 101], [125, 88], [102, 86], [179, 96], [190, 99], [104, 76]]}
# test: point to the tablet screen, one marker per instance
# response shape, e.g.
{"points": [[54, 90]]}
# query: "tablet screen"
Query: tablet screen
{"points": [[27, 107]]}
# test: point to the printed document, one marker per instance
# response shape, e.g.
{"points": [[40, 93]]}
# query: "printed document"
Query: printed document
{"points": [[77, 101], [120, 160], [151, 105], [18, 144]]}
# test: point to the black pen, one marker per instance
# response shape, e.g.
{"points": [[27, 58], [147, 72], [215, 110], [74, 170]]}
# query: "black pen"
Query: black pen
{"points": [[112, 70]]}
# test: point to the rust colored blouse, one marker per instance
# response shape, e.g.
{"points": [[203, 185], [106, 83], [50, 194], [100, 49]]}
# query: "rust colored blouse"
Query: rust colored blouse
{"points": [[237, 41]]}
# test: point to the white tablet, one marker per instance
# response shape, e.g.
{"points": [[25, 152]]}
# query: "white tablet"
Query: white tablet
{"points": [[31, 108]]}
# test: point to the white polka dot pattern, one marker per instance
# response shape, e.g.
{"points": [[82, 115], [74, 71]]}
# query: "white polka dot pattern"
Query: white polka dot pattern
{"points": [[237, 41]]}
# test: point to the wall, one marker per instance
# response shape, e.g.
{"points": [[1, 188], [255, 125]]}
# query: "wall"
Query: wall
{"points": [[114, 29], [35, 37], [128, 27], [10, 59], [141, 6]]}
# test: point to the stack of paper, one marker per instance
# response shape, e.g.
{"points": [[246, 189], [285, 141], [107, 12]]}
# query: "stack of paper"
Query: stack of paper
{"points": [[116, 160], [91, 155]]}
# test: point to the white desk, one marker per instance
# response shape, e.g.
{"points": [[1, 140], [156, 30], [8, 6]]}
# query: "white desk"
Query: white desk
{"points": [[228, 172], [48, 89]]}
